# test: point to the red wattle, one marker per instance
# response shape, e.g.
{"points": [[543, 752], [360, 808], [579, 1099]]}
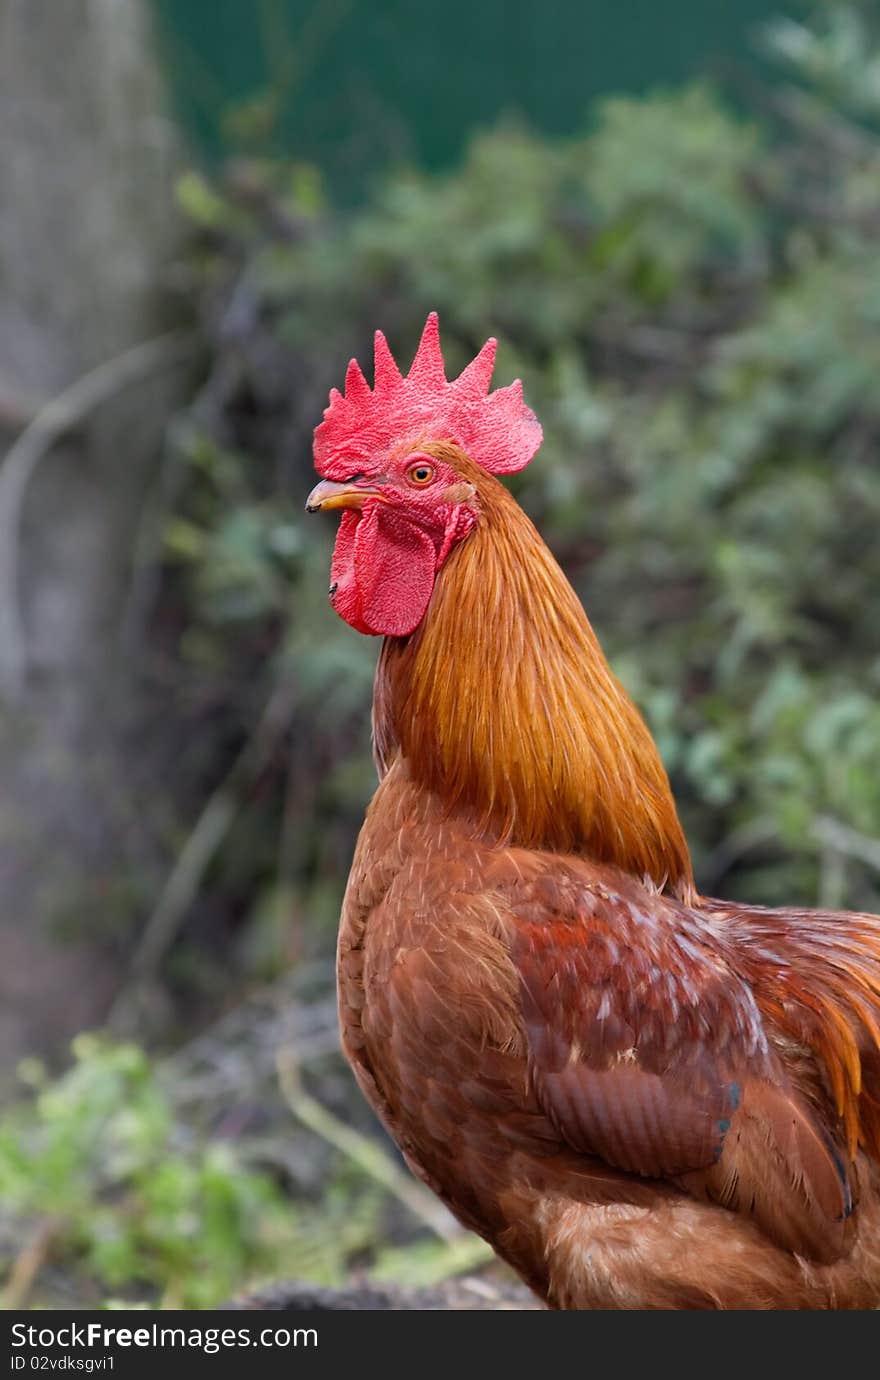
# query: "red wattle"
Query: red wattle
{"points": [[383, 569]]}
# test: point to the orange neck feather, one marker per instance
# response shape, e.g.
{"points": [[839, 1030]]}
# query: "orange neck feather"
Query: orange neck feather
{"points": [[504, 706]]}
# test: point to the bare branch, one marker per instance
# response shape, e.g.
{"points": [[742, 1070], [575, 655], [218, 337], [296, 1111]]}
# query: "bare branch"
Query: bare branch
{"points": [[365, 1153], [738, 843], [28, 1264], [842, 839], [53, 421], [208, 833]]}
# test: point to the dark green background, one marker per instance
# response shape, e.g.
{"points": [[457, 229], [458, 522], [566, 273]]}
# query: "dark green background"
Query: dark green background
{"points": [[353, 85]]}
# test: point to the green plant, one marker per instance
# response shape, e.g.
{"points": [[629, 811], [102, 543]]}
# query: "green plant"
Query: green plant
{"points": [[110, 1185]]}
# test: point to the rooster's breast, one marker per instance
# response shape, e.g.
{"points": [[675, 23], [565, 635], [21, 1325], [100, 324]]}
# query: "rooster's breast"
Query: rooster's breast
{"points": [[430, 1019]]}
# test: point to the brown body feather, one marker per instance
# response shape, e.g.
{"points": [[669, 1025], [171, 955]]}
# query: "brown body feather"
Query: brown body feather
{"points": [[642, 1098]]}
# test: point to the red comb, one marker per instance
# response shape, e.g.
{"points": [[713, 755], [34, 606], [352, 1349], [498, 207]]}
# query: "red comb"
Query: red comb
{"points": [[496, 430]]}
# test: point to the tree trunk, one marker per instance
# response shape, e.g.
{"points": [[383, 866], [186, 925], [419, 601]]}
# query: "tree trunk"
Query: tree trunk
{"points": [[86, 234]]}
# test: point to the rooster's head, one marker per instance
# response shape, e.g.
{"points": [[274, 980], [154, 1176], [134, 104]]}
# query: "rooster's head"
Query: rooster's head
{"points": [[400, 460]]}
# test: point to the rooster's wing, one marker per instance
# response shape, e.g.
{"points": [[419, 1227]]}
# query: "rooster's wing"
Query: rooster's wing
{"points": [[647, 1048]]}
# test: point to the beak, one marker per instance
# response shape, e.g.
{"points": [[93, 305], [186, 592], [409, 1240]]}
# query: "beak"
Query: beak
{"points": [[328, 494]]}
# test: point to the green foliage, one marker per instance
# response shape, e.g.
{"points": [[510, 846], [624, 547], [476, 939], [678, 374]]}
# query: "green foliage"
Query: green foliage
{"points": [[141, 1207], [836, 53], [651, 235]]}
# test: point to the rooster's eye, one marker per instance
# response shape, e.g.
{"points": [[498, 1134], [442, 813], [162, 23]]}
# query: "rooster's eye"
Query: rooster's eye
{"points": [[420, 474]]}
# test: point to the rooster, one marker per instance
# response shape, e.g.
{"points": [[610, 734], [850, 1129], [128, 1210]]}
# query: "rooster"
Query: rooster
{"points": [[642, 1097]]}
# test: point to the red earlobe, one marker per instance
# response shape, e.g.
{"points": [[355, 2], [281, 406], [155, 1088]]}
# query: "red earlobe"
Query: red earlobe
{"points": [[461, 521]]}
